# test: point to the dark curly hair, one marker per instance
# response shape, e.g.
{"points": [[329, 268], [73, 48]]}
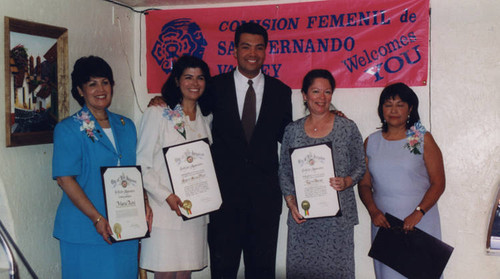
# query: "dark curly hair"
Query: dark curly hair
{"points": [[86, 68], [407, 95], [171, 92]]}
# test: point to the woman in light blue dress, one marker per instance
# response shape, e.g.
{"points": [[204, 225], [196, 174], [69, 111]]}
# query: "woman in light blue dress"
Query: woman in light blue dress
{"points": [[91, 138], [405, 172]]}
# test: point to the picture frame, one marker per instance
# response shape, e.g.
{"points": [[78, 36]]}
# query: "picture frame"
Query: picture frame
{"points": [[493, 237], [36, 81]]}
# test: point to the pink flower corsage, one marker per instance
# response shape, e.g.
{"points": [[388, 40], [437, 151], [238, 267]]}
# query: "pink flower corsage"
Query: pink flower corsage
{"points": [[177, 116], [415, 136], [87, 125]]}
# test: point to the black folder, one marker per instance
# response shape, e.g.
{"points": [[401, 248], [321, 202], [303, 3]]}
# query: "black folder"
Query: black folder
{"points": [[414, 254]]}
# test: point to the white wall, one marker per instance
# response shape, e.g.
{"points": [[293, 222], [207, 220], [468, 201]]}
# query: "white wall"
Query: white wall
{"points": [[464, 112], [465, 88]]}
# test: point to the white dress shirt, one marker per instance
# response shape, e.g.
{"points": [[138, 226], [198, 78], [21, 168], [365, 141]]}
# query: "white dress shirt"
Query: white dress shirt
{"points": [[241, 83]]}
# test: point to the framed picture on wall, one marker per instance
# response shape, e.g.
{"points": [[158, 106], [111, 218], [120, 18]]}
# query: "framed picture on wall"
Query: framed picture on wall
{"points": [[36, 78], [493, 238]]}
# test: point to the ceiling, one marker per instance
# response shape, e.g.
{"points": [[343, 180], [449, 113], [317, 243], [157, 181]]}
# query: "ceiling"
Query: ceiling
{"points": [[160, 3]]}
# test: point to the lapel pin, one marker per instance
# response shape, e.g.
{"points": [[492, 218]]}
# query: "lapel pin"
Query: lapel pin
{"points": [[123, 121]]}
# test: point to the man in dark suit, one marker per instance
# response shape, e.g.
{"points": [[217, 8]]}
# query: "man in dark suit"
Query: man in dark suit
{"points": [[246, 160]]}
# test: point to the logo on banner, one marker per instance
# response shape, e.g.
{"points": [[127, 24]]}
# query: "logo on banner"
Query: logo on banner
{"points": [[178, 37]]}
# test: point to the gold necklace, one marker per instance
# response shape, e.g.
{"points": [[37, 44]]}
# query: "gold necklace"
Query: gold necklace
{"points": [[319, 124], [187, 123]]}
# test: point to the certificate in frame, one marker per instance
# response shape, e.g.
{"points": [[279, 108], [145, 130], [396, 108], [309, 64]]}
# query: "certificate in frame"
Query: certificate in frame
{"points": [[125, 206], [414, 254], [192, 176], [312, 168]]}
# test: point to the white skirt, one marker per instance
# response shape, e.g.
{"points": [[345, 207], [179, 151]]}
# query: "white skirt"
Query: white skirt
{"points": [[175, 250]]}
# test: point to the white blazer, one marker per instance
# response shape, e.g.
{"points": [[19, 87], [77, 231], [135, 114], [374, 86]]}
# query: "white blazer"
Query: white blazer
{"points": [[156, 131]]}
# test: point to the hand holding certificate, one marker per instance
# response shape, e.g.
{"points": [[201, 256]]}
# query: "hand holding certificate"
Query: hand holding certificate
{"points": [[312, 168], [125, 206], [193, 178]]}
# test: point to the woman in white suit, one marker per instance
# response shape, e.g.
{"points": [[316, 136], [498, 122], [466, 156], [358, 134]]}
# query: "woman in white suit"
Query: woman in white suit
{"points": [[176, 247]]}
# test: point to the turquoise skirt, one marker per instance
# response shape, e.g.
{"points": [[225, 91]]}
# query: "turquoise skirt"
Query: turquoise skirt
{"points": [[84, 261]]}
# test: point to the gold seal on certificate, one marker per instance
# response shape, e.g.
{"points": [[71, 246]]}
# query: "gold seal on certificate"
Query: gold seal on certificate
{"points": [[192, 174], [306, 205], [187, 205], [117, 228], [312, 168], [125, 207]]}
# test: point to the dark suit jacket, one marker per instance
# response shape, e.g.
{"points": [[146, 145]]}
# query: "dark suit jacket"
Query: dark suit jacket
{"points": [[248, 172]]}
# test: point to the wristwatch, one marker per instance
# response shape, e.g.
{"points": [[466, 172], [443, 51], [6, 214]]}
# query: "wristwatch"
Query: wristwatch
{"points": [[420, 209]]}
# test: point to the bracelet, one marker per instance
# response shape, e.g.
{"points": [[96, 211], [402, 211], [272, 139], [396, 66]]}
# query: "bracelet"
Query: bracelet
{"points": [[97, 220], [288, 199]]}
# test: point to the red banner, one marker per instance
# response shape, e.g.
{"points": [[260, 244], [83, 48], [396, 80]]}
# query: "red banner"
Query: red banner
{"points": [[363, 43]]}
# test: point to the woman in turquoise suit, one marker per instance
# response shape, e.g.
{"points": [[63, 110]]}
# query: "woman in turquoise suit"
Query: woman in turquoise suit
{"points": [[91, 138], [405, 173]]}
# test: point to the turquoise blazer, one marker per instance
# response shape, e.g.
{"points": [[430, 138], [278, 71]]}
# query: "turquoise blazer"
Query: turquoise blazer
{"points": [[80, 148]]}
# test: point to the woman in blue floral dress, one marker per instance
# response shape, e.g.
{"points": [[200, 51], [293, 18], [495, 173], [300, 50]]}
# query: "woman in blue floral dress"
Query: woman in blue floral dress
{"points": [[405, 172], [322, 247]]}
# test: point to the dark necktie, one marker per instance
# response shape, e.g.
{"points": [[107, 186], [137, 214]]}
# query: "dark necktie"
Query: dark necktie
{"points": [[249, 112]]}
